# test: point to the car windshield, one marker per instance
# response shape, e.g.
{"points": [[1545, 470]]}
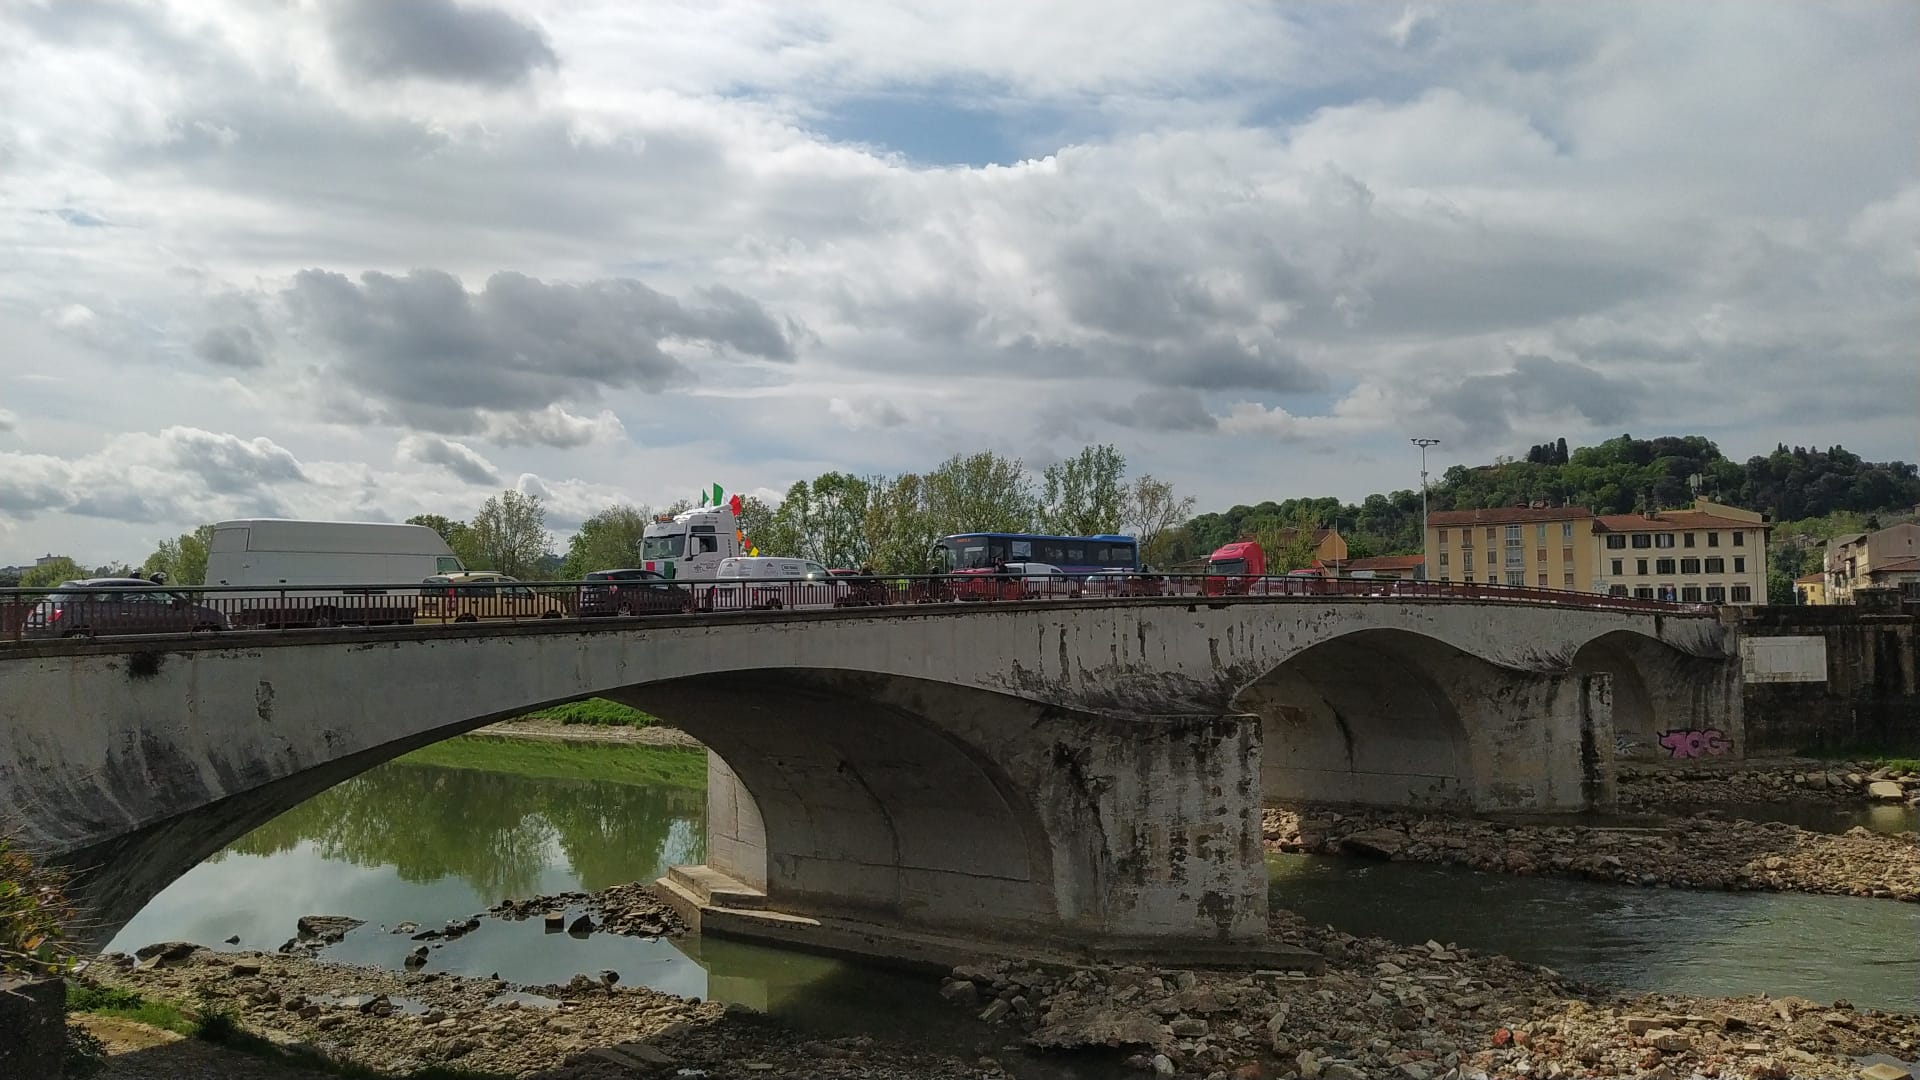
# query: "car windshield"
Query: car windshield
{"points": [[665, 546]]}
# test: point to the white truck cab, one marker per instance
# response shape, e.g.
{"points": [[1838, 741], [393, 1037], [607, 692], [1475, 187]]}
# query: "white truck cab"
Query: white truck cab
{"points": [[691, 544]]}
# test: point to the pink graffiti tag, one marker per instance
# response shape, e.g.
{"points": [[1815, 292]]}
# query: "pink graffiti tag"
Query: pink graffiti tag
{"points": [[1688, 743]]}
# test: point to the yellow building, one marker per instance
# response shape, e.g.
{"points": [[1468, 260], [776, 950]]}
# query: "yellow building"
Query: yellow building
{"points": [[1812, 588], [1713, 554], [1540, 547]]}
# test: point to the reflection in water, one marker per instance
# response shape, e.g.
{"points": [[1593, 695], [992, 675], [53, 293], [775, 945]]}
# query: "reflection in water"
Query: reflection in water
{"points": [[1712, 943], [495, 831]]}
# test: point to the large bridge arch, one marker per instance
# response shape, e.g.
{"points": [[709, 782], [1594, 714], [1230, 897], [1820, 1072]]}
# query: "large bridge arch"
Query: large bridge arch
{"points": [[1096, 747]]}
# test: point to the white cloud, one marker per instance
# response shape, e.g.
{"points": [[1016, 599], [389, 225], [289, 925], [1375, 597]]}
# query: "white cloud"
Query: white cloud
{"points": [[704, 240]]}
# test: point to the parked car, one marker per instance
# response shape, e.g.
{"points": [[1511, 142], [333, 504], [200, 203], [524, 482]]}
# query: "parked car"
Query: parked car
{"points": [[470, 597], [631, 592], [112, 606], [1015, 581]]}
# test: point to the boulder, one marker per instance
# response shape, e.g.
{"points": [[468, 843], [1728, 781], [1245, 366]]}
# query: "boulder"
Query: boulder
{"points": [[1884, 790], [1376, 843]]}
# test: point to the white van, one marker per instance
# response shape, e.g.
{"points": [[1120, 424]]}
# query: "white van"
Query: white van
{"points": [[771, 583], [379, 566]]}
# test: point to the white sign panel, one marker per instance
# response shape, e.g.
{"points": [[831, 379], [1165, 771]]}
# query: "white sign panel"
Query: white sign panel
{"points": [[1784, 659]]}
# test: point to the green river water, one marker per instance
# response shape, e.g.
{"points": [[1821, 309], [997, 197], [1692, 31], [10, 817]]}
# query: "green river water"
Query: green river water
{"points": [[479, 821]]}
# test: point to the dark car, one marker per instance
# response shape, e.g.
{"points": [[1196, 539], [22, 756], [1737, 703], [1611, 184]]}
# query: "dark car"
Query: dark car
{"points": [[631, 592], [113, 606]]}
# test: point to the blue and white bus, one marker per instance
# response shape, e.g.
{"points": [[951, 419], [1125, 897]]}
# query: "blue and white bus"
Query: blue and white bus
{"points": [[1078, 555]]}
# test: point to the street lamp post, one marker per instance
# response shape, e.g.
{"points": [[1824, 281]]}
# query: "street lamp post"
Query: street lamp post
{"points": [[1423, 442]]}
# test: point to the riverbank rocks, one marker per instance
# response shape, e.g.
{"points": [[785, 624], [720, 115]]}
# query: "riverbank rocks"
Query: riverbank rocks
{"points": [[1429, 1012], [1698, 852], [398, 1023], [1697, 785]]}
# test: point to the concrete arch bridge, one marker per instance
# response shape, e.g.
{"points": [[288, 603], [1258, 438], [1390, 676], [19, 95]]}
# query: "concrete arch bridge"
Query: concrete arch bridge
{"points": [[1073, 777]]}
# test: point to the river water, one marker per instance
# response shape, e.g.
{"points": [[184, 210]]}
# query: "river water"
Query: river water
{"points": [[428, 843]]}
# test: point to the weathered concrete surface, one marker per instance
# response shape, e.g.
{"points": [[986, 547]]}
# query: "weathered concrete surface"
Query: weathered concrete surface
{"points": [[1035, 769], [1865, 696]]}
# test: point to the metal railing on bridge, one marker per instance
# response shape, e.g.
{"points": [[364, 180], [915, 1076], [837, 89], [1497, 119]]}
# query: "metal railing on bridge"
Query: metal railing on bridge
{"points": [[117, 610]]}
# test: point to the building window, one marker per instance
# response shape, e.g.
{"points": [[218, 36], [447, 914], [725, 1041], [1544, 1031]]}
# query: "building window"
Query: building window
{"points": [[1444, 577], [1642, 592], [1469, 579], [1617, 590], [1513, 536], [1616, 541], [1742, 594], [1566, 530], [1643, 540], [1619, 567], [1540, 532], [1690, 593], [1713, 539], [1739, 562], [1518, 577], [1689, 566], [1492, 534], [1716, 564], [1689, 541], [1543, 581], [1739, 538], [1566, 555], [1540, 556], [1640, 567], [1566, 581], [1443, 558], [1663, 540], [1491, 559], [1716, 594], [1663, 567]]}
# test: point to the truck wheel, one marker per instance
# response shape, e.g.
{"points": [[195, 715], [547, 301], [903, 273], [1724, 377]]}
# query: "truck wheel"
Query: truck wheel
{"points": [[466, 618], [550, 615]]}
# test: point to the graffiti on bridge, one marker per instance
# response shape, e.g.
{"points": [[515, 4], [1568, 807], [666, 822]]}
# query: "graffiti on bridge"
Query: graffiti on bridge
{"points": [[1695, 742]]}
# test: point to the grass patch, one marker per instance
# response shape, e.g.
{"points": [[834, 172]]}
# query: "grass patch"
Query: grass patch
{"points": [[1876, 756], [221, 1025], [126, 1005], [595, 712], [652, 766]]}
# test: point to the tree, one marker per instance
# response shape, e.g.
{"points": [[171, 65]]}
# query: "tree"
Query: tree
{"points": [[981, 492], [838, 504], [1083, 495], [900, 531], [608, 540], [756, 519], [183, 559], [510, 533], [788, 529], [459, 537], [1780, 589], [52, 572], [1150, 510]]}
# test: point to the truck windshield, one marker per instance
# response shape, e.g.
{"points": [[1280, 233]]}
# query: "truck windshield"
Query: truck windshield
{"points": [[1229, 566], [665, 546]]}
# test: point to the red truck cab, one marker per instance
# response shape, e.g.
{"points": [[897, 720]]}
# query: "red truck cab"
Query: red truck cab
{"points": [[1233, 569]]}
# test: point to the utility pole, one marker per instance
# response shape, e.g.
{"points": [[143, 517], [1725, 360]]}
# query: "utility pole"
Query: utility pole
{"points": [[1423, 442]]}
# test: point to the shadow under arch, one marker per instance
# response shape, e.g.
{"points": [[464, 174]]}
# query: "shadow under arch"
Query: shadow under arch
{"points": [[868, 796], [1658, 689], [1367, 717]]}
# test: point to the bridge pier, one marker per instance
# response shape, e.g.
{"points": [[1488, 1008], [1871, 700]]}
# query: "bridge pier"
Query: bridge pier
{"points": [[916, 821]]}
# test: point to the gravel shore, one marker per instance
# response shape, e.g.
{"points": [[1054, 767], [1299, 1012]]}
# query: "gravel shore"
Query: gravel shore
{"points": [[1697, 852]]}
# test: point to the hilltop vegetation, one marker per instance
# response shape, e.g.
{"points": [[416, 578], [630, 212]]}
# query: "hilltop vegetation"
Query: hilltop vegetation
{"points": [[1619, 476]]}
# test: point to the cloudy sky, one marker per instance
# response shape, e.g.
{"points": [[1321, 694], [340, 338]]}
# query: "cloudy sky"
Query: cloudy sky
{"points": [[364, 259]]}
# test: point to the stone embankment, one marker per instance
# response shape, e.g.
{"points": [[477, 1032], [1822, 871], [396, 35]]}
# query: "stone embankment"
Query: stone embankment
{"points": [[1698, 852], [589, 1029], [1435, 1012], [1652, 787]]}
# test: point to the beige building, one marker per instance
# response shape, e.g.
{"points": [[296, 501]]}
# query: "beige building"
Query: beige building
{"points": [[1540, 547], [1812, 588], [1901, 574], [1851, 560], [1713, 553]]}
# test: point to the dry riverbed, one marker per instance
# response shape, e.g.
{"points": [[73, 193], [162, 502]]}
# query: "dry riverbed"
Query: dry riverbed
{"points": [[1697, 852], [1378, 1010], [1668, 784]]}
